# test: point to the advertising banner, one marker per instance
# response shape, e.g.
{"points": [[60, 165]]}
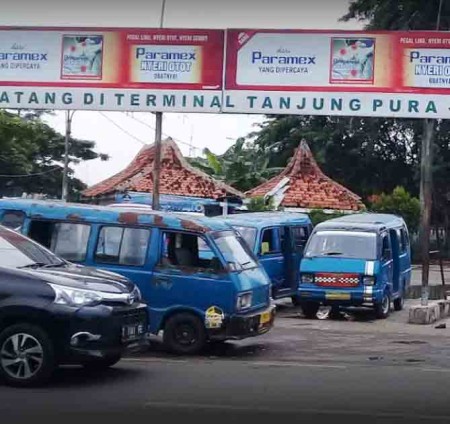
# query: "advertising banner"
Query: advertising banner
{"points": [[398, 74], [112, 69]]}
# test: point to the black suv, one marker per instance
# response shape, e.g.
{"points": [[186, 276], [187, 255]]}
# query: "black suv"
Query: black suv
{"points": [[53, 312]]}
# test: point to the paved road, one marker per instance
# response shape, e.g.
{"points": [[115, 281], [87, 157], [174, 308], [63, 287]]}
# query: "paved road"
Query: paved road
{"points": [[352, 370], [225, 391]]}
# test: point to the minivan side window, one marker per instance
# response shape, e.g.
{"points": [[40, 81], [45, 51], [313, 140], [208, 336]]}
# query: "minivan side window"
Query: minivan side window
{"points": [[300, 237], [182, 250], [386, 252], [66, 239], [13, 219], [270, 241], [122, 246], [70, 240], [403, 241]]}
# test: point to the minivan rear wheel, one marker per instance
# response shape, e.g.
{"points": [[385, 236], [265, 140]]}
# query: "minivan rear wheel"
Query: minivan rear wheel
{"points": [[184, 334], [399, 303], [26, 355]]}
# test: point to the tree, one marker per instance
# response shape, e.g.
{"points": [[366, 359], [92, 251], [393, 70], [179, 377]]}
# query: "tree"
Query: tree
{"points": [[242, 166], [259, 204], [416, 15], [367, 155], [399, 14], [401, 203], [31, 156]]}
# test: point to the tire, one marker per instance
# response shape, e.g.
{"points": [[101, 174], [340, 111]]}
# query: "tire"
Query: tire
{"points": [[26, 349], [310, 309], [383, 309], [399, 303], [329, 312], [335, 313], [102, 364], [184, 334]]}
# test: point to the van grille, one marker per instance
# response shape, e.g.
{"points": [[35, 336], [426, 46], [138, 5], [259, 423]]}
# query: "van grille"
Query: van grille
{"points": [[261, 296], [337, 280]]}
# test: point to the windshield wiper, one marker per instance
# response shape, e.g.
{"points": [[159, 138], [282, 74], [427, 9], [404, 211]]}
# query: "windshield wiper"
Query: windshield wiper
{"points": [[42, 265], [332, 253], [33, 265], [57, 265]]}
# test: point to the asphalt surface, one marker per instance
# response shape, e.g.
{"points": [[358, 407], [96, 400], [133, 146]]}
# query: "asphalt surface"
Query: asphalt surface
{"points": [[223, 390], [351, 370]]}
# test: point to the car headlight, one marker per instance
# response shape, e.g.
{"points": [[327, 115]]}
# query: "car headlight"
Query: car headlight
{"points": [[244, 301], [75, 297], [368, 281], [307, 278]]}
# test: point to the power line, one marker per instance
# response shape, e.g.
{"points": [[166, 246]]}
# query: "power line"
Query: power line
{"points": [[30, 175], [123, 129], [166, 135]]}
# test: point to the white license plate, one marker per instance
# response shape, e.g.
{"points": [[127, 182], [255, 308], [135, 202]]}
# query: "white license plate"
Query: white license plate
{"points": [[131, 332]]}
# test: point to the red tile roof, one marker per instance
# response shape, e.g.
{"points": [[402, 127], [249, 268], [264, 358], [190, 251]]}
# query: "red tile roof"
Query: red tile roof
{"points": [[177, 176], [306, 186]]}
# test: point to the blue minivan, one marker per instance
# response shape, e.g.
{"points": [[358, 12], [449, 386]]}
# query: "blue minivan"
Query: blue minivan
{"points": [[356, 260], [277, 239], [199, 277]]}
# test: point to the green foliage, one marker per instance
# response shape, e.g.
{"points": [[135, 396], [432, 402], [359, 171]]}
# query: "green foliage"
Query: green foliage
{"points": [[399, 14], [29, 146], [259, 204], [242, 166], [399, 202], [318, 215], [367, 155]]}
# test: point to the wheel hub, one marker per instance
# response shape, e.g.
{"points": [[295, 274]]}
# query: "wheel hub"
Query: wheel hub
{"points": [[21, 356]]}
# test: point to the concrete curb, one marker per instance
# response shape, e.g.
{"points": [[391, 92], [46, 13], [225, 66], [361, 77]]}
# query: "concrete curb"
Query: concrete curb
{"points": [[429, 314]]}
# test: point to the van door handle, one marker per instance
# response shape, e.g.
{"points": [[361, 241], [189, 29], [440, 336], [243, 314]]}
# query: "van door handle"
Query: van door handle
{"points": [[158, 281]]}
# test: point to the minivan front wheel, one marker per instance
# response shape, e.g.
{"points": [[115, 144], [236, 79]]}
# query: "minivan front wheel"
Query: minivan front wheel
{"points": [[26, 355], [184, 334], [383, 309], [310, 309]]}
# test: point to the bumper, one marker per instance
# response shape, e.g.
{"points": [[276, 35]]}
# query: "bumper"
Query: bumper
{"points": [[358, 296], [241, 326], [100, 331]]}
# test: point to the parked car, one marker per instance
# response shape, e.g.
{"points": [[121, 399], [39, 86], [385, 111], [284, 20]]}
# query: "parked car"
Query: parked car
{"points": [[201, 281], [53, 312], [356, 260], [277, 239]]}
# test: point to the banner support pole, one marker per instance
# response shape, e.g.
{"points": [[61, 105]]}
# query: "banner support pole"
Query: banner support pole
{"points": [[158, 139]]}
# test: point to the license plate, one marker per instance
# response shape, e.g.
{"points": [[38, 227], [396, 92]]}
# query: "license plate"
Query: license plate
{"points": [[337, 296], [265, 318], [131, 332]]}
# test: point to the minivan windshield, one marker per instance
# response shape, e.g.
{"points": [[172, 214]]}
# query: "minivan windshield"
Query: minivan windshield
{"points": [[19, 252], [234, 250], [248, 234], [342, 244]]}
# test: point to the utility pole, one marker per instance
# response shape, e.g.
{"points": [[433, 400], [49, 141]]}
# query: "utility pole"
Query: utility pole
{"points": [[158, 139], [65, 182], [426, 189]]}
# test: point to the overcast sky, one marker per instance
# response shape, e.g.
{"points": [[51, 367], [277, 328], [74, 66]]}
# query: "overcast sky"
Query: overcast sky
{"points": [[216, 132]]}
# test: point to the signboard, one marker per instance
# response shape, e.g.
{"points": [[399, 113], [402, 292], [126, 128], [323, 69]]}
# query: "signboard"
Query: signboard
{"points": [[111, 69], [393, 74], [338, 73]]}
